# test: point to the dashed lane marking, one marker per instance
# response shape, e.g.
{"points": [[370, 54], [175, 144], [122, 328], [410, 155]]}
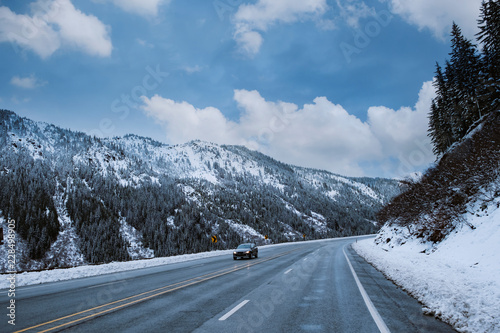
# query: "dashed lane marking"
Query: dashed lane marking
{"points": [[236, 308]]}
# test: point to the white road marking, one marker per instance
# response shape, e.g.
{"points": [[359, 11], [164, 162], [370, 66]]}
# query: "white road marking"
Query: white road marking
{"points": [[288, 271], [373, 311], [236, 308]]}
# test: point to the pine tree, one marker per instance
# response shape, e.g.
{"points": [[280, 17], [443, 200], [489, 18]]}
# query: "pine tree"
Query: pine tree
{"points": [[489, 37], [464, 69], [444, 120], [469, 87]]}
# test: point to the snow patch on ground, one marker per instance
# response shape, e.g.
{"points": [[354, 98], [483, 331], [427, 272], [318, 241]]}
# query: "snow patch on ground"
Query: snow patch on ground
{"points": [[244, 230], [132, 236], [66, 245], [170, 222], [64, 252], [289, 232], [457, 280], [20, 248], [317, 221], [332, 194], [292, 208]]}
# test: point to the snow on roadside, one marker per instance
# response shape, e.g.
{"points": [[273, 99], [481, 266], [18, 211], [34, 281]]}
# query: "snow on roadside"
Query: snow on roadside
{"points": [[29, 278], [458, 281], [54, 275]]}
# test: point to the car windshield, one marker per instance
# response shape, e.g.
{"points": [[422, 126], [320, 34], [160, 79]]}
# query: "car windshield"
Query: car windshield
{"points": [[244, 246]]}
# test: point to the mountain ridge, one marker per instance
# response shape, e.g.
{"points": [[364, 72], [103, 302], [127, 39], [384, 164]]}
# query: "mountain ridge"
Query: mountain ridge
{"points": [[133, 197]]}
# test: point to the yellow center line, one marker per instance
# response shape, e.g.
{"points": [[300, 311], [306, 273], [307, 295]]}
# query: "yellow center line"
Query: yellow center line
{"points": [[159, 291], [111, 303]]}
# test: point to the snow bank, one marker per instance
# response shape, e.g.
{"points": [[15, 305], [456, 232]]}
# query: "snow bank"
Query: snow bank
{"points": [[458, 280], [30, 278]]}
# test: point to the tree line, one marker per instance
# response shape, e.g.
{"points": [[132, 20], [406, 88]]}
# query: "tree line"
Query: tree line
{"points": [[468, 87]]}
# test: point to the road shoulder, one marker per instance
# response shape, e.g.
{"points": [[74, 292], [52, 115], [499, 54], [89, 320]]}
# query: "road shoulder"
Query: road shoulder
{"points": [[400, 311]]}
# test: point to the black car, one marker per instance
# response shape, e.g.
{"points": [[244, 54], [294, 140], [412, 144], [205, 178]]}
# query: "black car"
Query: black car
{"points": [[246, 250]]}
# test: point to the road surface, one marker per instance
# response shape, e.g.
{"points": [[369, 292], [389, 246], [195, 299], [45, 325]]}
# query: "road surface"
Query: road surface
{"points": [[300, 287]]}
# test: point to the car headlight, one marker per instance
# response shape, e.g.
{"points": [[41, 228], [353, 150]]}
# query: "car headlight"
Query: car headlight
{"points": [[234, 253], [248, 252]]}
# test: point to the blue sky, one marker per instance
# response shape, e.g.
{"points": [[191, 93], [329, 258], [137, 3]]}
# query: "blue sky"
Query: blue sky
{"points": [[341, 85]]}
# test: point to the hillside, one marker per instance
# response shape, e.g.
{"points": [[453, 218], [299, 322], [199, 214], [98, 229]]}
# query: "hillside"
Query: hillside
{"points": [[466, 175], [441, 237], [78, 199]]}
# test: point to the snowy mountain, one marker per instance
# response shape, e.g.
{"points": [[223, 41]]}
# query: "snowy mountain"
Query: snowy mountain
{"points": [[80, 199]]}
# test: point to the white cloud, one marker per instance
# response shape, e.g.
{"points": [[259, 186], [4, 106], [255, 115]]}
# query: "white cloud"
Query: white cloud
{"points": [[184, 122], [403, 133], [438, 15], [251, 18], [79, 30], [267, 12], [249, 42], [320, 135], [28, 32], [353, 11], [30, 82], [53, 24], [140, 7]]}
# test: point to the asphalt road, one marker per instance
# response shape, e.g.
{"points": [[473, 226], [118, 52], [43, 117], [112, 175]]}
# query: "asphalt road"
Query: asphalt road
{"points": [[299, 287]]}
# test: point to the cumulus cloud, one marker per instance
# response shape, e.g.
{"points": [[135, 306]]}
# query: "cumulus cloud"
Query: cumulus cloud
{"points": [[29, 82], [402, 134], [252, 19], [53, 24], [249, 42], [438, 16], [183, 122], [321, 135], [28, 32], [84, 32]]}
